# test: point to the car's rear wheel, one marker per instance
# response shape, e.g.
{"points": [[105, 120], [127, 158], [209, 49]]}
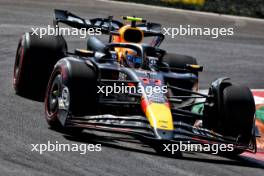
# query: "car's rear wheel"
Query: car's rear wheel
{"points": [[179, 61], [34, 62]]}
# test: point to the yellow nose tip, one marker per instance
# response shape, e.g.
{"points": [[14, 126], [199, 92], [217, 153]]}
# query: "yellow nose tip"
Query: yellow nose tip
{"points": [[159, 116]]}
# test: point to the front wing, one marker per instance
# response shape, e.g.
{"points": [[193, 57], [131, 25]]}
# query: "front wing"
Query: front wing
{"points": [[139, 126]]}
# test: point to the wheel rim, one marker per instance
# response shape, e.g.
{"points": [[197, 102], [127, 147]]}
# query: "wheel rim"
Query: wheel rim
{"points": [[17, 69], [58, 97], [65, 96], [53, 96]]}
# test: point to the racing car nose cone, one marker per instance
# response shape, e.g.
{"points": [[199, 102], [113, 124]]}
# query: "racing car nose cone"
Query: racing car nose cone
{"points": [[159, 116]]}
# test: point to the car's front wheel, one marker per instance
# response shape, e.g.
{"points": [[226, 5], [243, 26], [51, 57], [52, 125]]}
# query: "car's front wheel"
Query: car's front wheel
{"points": [[232, 113], [71, 92]]}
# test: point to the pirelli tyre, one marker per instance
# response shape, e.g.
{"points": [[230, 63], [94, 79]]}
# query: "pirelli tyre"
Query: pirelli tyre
{"points": [[71, 92], [179, 61], [239, 111], [234, 114], [35, 59]]}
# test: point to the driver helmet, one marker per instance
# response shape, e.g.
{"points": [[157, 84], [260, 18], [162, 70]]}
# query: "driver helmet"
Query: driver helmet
{"points": [[132, 59]]}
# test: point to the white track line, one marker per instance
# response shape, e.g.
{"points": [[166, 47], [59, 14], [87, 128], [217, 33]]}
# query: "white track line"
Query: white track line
{"points": [[257, 90]]}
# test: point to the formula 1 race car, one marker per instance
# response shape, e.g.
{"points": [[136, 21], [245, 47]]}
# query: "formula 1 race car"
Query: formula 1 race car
{"points": [[131, 87]]}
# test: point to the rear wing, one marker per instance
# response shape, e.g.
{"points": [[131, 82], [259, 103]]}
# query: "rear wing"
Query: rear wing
{"points": [[107, 26]]}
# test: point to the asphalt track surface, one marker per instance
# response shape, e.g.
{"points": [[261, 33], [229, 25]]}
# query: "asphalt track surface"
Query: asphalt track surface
{"points": [[22, 122]]}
